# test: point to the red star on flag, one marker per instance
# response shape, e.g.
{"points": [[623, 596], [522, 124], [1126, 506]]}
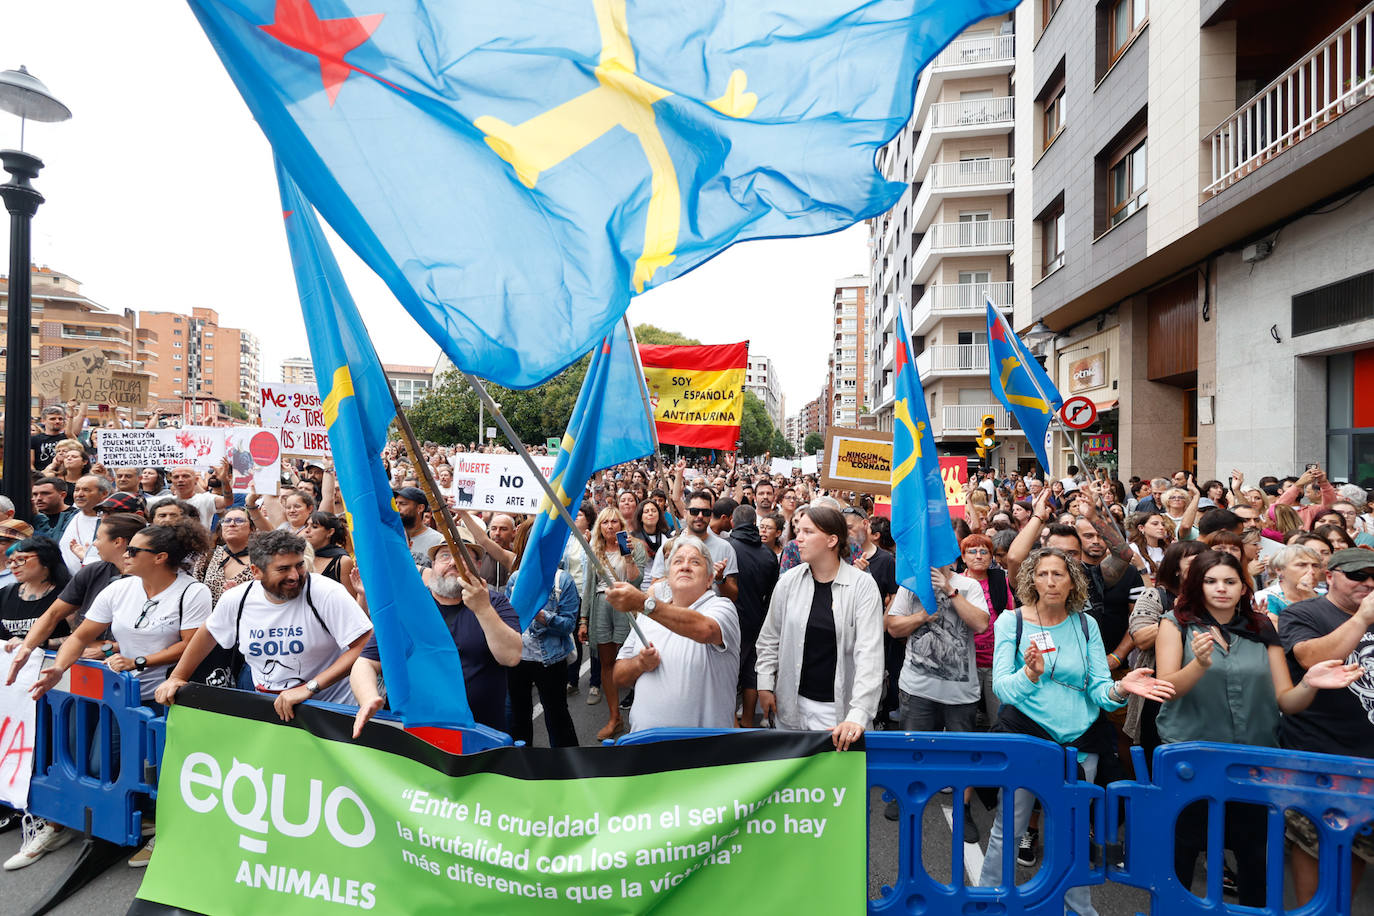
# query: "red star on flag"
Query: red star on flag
{"points": [[298, 27], [901, 357], [999, 332]]}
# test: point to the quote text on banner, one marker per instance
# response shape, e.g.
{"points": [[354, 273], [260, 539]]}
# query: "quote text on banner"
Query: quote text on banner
{"points": [[257, 816], [696, 392], [254, 453], [299, 413]]}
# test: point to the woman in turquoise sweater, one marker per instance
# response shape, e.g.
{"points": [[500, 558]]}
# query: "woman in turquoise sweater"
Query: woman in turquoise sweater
{"points": [[1054, 683], [1231, 681]]}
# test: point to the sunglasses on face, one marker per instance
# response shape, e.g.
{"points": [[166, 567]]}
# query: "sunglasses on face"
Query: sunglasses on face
{"points": [[132, 551], [1358, 575], [698, 510]]}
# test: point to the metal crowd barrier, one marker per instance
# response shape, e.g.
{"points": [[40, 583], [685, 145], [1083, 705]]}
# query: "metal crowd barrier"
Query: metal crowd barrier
{"points": [[90, 753], [97, 750], [1335, 793]]}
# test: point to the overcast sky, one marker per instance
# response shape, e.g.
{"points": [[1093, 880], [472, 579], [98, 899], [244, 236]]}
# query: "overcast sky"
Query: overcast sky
{"points": [[160, 195]]}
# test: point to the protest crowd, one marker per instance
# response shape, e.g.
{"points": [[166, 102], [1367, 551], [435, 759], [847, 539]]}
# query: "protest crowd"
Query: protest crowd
{"points": [[1087, 611]]}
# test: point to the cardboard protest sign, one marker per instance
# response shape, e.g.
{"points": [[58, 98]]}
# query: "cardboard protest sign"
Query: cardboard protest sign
{"points": [[857, 459], [298, 412], [17, 724], [497, 483], [259, 816], [117, 389], [253, 452], [47, 377]]}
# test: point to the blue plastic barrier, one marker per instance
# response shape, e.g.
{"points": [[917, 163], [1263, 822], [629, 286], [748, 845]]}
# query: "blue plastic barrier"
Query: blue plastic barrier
{"points": [[97, 710], [1335, 793], [913, 767]]}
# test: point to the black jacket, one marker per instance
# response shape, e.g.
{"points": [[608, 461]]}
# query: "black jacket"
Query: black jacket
{"points": [[758, 573]]}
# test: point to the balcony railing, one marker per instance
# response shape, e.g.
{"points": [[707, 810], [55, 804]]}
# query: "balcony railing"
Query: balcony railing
{"points": [[964, 297], [970, 112], [982, 49], [969, 173], [966, 418], [953, 358], [1329, 81], [988, 233]]}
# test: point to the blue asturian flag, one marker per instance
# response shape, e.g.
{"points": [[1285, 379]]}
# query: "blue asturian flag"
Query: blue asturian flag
{"points": [[419, 659], [515, 172], [921, 524], [608, 426], [1014, 373]]}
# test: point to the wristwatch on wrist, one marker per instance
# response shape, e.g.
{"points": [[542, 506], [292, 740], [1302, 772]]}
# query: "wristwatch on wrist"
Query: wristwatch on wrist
{"points": [[140, 663], [107, 648], [650, 605], [312, 685]]}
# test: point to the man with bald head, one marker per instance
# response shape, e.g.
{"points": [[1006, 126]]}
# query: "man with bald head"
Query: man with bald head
{"points": [[77, 539], [500, 529]]}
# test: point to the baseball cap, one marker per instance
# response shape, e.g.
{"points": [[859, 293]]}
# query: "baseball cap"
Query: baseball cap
{"points": [[414, 494], [15, 528], [122, 502], [1351, 559]]}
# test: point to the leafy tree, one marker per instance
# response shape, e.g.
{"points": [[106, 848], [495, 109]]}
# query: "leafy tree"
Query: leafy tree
{"points": [[236, 410], [448, 413], [648, 334], [781, 448], [813, 444], [755, 429]]}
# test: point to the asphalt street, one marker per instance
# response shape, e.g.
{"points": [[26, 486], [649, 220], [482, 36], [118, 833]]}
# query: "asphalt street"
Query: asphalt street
{"points": [[112, 892]]}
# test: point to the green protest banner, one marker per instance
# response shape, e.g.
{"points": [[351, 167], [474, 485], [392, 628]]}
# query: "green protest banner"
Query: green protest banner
{"points": [[258, 816]]}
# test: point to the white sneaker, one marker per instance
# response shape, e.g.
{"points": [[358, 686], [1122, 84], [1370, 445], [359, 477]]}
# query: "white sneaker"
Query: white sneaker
{"points": [[40, 838]]}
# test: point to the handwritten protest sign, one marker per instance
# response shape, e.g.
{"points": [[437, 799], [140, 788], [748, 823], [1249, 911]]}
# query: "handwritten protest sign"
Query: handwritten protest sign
{"points": [[497, 483], [16, 735], [297, 410], [253, 452], [117, 389], [47, 377]]}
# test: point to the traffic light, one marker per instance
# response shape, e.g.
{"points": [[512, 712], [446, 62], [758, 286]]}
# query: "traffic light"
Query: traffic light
{"points": [[987, 439]]}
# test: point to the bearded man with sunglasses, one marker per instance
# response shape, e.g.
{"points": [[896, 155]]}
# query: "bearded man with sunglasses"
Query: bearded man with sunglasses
{"points": [[724, 563], [1340, 626]]}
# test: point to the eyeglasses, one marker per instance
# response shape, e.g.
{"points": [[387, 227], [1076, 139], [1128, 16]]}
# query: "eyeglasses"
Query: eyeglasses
{"points": [[978, 552], [698, 510], [233, 521], [147, 607], [131, 550], [19, 559], [1358, 575]]}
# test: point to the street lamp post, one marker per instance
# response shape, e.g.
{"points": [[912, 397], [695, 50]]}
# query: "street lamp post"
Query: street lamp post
{"points": [[27, 97]]}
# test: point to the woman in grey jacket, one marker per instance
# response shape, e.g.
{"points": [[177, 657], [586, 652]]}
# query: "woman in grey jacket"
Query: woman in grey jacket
{"points": [[820, 653]]}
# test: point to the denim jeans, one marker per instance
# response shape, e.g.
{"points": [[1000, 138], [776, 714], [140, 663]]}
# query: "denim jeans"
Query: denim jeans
{"points": [[1076, 899]]}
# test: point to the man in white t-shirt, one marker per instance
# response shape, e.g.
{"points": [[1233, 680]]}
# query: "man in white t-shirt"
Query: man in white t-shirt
{"points": [[183, 484], [77, 540], [725, 565], [299, 632], [686, 676]]}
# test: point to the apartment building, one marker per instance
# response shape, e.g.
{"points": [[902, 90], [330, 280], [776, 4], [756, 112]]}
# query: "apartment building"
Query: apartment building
{"points": [[297, 370], [761, 378], [195, 356], [411, 383], [812, 416], [946, 247], [846, 395], [1193, 232], [64, 321]]}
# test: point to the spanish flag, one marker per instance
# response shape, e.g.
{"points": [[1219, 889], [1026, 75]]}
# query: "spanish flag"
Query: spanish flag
{"points": [[419, 659], [697, 393]]}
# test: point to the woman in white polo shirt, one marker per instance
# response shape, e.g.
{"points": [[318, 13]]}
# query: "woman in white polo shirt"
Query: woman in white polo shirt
{"points": [[152, 614]]}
